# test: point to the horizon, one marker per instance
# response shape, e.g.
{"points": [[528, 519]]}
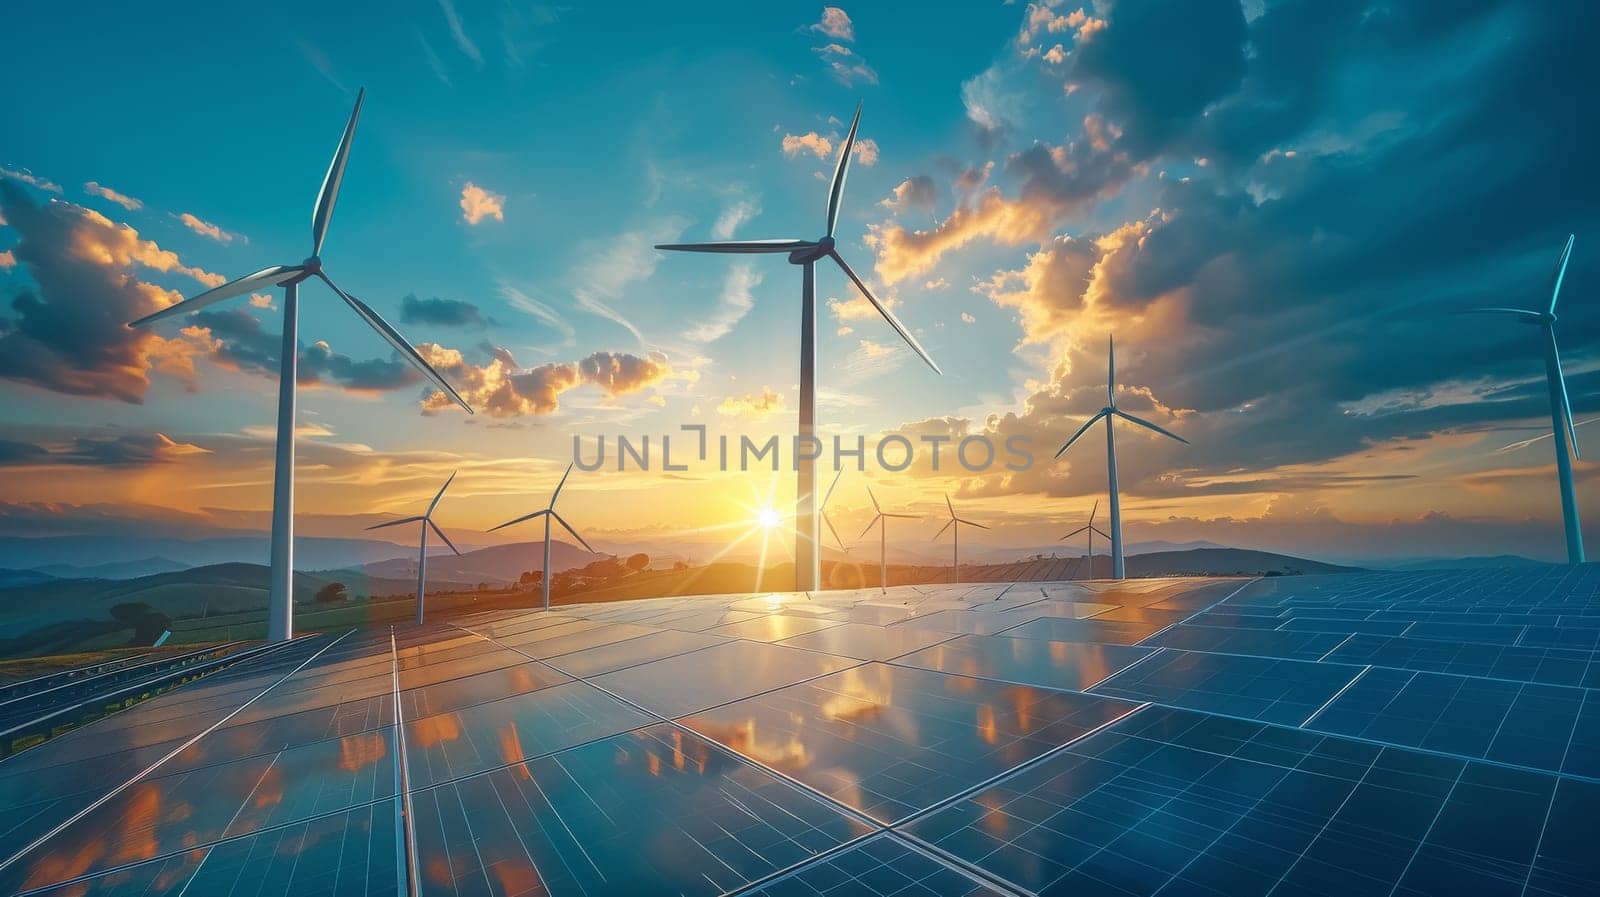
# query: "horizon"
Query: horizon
{"points": [[1279, 279]]}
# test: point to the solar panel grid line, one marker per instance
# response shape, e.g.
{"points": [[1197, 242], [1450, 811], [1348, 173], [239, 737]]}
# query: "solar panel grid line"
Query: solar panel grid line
{"points": [[405, 836], [1336, 695], [57, 829], [850, 811], [34, 680]]}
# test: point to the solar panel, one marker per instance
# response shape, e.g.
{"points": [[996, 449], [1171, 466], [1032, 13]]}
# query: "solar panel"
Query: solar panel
{"points": [[1384, 734]]}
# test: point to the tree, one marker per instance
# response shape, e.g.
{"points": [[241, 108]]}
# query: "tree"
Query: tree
{"points": [[531, 577], [638, 562], [147, 623], [332, 593]]}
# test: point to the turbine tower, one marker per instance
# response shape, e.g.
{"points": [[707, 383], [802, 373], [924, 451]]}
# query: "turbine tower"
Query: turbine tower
{"points": [[426, 519], [1110, 413], [549, 513], [1561, 423], [882, 523], [280, 598], [806, 254], [1091, 529], [955, 525]]}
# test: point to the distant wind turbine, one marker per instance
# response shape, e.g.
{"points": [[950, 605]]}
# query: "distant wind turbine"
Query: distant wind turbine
{"points": [[1561, 423], [548, 514], [822, 510], [806, 254], [881, 521], [426, 519], [955, 525], [280, 599], [1111, 412], [1091, 529]]}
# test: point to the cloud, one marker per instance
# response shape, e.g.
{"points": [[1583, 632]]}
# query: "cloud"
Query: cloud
{"points": [[608, 273], [735, 214], [122, 450], [233, 338], [755, 406], [31, 179], [902, 253], [502, 388], [736, 302], [543, 313], [205, 228], [459, 33], [967, 318], [836, 24], [121, 199], [846, 66], [8, 260], [866, 152], [67, 332], [914, 194], [478, 204], [442, 312], [809, 142], [938, 283]]}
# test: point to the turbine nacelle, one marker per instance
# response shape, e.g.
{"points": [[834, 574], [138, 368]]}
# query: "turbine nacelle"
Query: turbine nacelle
{"points": [[813, 253]]}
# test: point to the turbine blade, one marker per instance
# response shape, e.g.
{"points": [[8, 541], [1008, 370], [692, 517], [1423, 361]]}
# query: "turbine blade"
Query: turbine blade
{"points": [[1073, 533], [949, 523], [870, 525], [1111, 370], [396, 522], [887, 315], [1514, 312], [1081, 430], [831, 529], [739, 246], [266, 277], [1099, 533], [1561, 382], [904, 516], [970, 523], [1144, 423], [329, 194], [837, 474], [398, 342], [435, 503], [557, 494], [1093, 511], [440, 533], [568, 527], [874, 501], [538, 513], [952, 507], [840, 171], [1561, 272]]}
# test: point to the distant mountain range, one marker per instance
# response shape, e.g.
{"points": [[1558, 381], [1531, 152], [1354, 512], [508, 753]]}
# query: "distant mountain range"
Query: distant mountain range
{"points": [[66, 555], [497, 564]]}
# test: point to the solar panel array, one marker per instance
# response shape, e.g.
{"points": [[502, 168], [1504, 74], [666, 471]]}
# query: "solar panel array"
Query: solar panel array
{"points": [[1359, 734]]}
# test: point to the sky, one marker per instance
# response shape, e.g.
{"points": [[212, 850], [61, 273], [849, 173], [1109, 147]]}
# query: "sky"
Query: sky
{"points": [[1274, 207]]}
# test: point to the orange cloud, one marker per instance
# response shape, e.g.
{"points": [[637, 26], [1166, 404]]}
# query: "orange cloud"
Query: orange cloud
{"points": [[205, 228], [478, 204], [502, 388], [809, 142], [121, 199], [903, 253], [757, 406]]}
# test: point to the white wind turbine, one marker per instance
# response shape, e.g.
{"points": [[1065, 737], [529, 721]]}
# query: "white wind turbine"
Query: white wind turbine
{"points": [[426, 519], [822, 510], [280, 598], [1091, 529], [806, 254], [955, 525], [549, 513], [881, 521], [1562, 426], [1110, 413]]}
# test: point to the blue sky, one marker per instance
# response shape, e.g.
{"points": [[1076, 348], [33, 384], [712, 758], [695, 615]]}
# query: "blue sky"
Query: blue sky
{"points": [[1269, 203]]}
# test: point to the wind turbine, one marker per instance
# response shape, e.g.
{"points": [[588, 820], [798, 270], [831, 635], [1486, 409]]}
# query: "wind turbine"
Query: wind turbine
{"points": [[1110, 413], [822, 510], [548, 514], [426, 519], [882, 523], [280, 598], [1561, 423], [955, 545], [806, 254], [1091, 529]]}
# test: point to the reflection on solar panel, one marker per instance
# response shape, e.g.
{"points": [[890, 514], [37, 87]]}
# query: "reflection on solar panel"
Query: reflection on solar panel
{"points": [[1362, 734]]}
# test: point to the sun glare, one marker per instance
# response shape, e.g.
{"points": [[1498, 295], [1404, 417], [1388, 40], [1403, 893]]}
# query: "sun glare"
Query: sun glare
{"points": [[768, 518]]}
